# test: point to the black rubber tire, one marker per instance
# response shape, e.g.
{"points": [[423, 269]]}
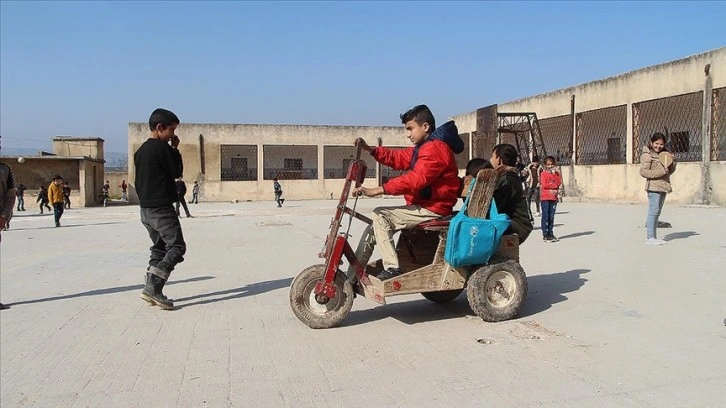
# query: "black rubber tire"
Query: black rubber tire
{"points": [[497, 291], [442, 296], [310, 312]]}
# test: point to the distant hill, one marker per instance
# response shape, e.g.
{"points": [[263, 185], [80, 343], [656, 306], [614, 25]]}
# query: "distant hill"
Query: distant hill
{"points": [[113, 159]]}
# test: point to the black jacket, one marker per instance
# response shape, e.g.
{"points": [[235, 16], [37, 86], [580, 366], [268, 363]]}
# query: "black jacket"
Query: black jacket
{"points": [[157, 165], [510, 199]]}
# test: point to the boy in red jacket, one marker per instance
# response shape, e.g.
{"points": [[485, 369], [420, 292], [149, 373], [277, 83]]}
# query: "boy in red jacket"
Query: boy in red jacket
{"points": [[550, 181], [430, 187]]}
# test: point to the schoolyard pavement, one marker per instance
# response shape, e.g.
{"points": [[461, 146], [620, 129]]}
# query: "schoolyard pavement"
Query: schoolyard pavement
{"points": [[608, 322]]}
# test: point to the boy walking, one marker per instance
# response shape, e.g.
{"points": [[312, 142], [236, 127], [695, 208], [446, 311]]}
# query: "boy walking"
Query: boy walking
{"points": [[67, 195], [158, 163], [278, 192], [55, 196], [7, 200], [181, 191], [532, 180], [430, 187], [195, 193], [20, 193]]}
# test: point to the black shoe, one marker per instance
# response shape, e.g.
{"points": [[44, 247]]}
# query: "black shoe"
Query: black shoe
{"points": [[152, 292], [389, 273], [3, 307], [57, 224], [553, 238]]}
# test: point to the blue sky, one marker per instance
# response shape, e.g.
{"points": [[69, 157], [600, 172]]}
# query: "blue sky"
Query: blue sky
{"points": [[89, 68]]}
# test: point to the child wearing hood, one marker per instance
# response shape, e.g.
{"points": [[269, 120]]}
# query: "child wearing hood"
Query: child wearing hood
{"points": [[430, 187]]}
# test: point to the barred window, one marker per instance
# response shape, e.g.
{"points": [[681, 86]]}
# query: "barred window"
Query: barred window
{"points": [[238, 162]]}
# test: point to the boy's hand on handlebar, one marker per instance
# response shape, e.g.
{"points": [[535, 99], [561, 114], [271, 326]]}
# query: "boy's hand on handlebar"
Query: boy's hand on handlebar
{"points": [[363, 145], [368, 192]]}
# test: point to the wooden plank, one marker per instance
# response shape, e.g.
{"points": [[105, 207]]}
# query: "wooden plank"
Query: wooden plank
{"points": [[372, 290], [481, 195]]}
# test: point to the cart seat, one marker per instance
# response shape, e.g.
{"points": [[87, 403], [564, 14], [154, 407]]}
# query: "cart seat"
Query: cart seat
{"points": [[437, 224]]}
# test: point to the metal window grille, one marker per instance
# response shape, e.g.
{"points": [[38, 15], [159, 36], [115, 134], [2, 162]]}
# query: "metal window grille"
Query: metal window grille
{"points": [[679, 117], [718, 124], [388, 173], [290, 162], [557, 137], [238, 162], [601, 135], [336, 160]]}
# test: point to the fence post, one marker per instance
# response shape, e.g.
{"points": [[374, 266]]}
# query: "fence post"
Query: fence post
{"points": [[706, 187], [574, 189]]}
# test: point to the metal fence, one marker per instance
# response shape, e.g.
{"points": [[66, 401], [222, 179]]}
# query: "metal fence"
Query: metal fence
{"points": [[290, 162], [601, 135], [557, 137], [336, 160], [718, 124], [238, 162], [677, 117]]}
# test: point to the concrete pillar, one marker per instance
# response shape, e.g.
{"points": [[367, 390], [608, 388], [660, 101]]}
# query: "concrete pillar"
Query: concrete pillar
{"points": [[260, 165], [706, 188], [629, 134], [321, 163]]}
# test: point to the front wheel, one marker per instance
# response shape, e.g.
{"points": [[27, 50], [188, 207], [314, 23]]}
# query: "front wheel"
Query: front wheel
{"points": [[312, 313], [496, 292]]}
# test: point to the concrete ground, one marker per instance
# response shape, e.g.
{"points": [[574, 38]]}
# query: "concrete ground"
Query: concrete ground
{"points": [[609, 321]]}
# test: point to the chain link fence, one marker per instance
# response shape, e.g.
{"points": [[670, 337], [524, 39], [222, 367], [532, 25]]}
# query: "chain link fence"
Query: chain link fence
{"points": [[336, 160], [718, 124], [677, 117], [290, 162], [238, 162], [557, 137], [601, 135]]}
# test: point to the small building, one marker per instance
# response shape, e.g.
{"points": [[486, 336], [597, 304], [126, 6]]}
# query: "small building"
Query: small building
{"points": [[78, 160]]}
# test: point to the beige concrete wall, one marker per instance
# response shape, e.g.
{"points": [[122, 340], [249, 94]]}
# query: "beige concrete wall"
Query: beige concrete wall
{"points": [[78, 147], [216, 135], [696, 183], [623, 183], [114, 178]]}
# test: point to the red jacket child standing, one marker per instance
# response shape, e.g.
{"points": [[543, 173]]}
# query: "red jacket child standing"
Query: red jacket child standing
{"points": [[550, 181]]}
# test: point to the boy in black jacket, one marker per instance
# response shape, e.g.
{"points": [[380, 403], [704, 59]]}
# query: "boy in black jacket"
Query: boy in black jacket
{"points": [[158, 163]]}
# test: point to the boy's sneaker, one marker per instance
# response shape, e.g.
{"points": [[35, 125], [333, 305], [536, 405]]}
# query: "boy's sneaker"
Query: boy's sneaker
{"points": [[546, 238], [389, 273], [654, 241], [554, 238]]}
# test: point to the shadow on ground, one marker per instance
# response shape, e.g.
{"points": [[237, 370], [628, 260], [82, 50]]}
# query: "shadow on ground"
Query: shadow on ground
{"points": [[546, 290], [247, 290], [66, 226], [412, 312], [105, 291], [680, 235], [577, 234]]}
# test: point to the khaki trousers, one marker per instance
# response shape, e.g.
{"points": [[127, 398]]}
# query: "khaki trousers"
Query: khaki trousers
{"points": [[388, 220]]}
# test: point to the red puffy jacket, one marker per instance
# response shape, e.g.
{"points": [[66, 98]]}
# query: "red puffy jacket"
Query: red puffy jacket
{"points": [[432, 183], [549, 185]]}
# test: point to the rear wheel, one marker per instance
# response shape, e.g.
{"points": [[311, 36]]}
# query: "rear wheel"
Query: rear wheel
{"points": [[307, 309], [496, 292], [442, 296]]}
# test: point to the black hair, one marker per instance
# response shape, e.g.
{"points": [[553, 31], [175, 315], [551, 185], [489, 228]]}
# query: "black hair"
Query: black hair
{"points": [[507, 153], [57, 177], [535, 158], [657, 136], [550, 158], [476, 164], [162, 117], [420, 114]]}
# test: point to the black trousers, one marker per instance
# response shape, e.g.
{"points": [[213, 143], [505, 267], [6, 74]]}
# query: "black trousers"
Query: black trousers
{"points": [[168, 246]]}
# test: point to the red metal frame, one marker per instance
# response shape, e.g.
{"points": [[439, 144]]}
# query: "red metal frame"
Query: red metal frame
{"points": [[336, 245]]}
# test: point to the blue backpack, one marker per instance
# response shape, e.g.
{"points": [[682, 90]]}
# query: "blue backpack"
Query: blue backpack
{"points": [[472, 241]]}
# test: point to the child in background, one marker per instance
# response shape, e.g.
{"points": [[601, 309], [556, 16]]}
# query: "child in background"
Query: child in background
{"points": [[550, 182]]}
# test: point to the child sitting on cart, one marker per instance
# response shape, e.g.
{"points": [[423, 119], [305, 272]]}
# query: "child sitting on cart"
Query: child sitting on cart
{"points": [[430, 188]]}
